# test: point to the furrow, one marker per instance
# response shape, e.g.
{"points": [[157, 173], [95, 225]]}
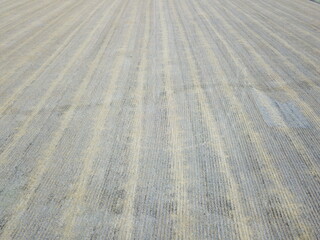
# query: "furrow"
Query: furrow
{"points": [[44, 66], [126, 222], [217, 143], [80, 188], [270, 171], [183, 219], [40, 169], [18, 64]]}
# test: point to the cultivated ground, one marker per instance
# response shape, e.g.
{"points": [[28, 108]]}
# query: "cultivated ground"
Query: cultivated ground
{"points": [[159, 119]]}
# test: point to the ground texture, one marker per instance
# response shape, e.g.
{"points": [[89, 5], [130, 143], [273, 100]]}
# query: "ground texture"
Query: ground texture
{"points": [[159, 119]]}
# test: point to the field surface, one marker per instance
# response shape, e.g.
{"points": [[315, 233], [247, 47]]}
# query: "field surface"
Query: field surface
{"points": [[159, 119]]}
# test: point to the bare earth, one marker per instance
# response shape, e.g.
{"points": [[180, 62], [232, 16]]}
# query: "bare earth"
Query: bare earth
{"points": [[159, 119]]}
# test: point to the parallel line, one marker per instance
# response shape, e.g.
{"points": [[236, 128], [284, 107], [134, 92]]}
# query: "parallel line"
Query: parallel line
{"points": [[270, 171], [217, 144], [183, 219], [77, 196], [127, 218], [41, 167]]}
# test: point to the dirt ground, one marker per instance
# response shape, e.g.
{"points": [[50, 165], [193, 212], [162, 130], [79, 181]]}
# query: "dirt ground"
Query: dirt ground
{"points": [[159, 119]]}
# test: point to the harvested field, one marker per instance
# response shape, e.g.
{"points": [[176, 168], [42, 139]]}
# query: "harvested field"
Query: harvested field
{"points": [[159, 119]]}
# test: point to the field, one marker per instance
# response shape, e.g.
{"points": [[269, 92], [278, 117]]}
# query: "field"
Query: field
{"points": [[159, 119]]}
